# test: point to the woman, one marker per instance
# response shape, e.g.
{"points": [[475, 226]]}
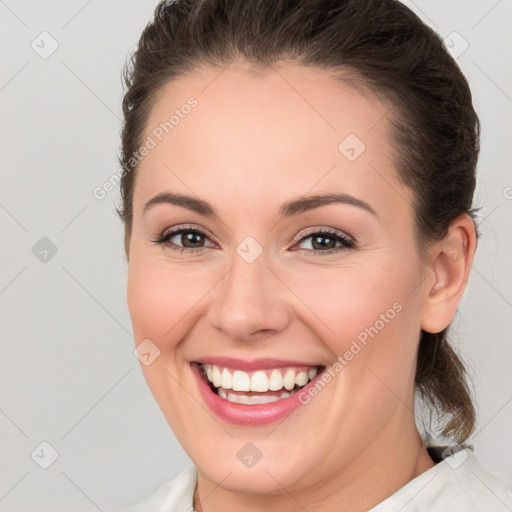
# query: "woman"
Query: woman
{"points": [[297, 200]]}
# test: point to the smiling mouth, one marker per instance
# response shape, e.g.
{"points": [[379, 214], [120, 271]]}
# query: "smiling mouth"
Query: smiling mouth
{"points": [[257, 387]]}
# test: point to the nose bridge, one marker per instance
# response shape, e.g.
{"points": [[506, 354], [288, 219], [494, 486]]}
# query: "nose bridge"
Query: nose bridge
{"points": [[248, 299]]}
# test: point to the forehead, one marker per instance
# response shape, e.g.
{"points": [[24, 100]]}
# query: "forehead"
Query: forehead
{"points": [[277, 131], [265, 99]]}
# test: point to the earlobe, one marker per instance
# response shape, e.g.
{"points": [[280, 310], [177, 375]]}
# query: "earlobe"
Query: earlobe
{"points": [[452, 258]]}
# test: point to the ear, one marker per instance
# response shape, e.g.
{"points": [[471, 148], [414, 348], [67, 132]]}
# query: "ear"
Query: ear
{"points": [[448, 274]]}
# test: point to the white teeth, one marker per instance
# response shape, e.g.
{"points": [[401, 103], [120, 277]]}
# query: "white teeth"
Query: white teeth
{"points": [[226, 379], [252, 399], [289, 379], [259, 381], [241, 381], [301, 378], [275, 382], [216, 379]]}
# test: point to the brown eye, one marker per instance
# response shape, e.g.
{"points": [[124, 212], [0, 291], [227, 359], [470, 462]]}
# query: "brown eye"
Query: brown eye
{"points": [[326, 241], [184, 239], [191, 239], [323, 242]]}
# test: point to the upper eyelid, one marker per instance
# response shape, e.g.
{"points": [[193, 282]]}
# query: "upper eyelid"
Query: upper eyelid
{"points": [[187, 227], [306, 232]]}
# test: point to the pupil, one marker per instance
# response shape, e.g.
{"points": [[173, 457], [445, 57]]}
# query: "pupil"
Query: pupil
{"points": [[323, 244], [194, 238]]}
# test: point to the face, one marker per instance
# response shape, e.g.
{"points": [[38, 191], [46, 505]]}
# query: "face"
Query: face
{"points": [[256, 287]]}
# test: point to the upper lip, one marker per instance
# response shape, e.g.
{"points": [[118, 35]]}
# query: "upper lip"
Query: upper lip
{"points": [[254, 364]]}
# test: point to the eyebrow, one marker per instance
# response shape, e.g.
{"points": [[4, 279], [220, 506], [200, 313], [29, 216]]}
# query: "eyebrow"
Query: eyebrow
{"points": [[294, 207]]}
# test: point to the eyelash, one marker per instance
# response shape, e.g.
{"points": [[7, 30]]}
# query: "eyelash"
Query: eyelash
{"points": [[164, 237]]}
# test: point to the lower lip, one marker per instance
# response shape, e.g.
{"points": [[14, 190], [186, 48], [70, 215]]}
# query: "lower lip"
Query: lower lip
{"points": [[243, 414]]}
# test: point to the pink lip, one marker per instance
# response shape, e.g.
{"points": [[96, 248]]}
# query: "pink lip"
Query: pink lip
{"points": [[258, 364], [248, 415]]}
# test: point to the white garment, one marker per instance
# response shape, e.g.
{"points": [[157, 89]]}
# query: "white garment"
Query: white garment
{"points": [[457, 484]]}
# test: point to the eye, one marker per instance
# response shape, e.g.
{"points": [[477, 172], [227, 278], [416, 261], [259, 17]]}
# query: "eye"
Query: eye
{"points": [[191, 237], [324, 241]]}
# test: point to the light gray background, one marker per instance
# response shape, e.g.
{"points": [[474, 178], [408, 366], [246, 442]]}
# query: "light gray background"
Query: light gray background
{"points": [[68, 375]]}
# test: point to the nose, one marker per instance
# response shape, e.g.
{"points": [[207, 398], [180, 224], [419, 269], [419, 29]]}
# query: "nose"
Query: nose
{"points": [[249, 303]]}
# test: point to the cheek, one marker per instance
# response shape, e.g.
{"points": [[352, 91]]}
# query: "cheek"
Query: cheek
{"points": [[161, 300], [163, 308], [353, 300], [368, 318]]}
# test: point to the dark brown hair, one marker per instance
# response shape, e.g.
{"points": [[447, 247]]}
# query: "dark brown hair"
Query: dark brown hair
{"points": [[381, 46]]}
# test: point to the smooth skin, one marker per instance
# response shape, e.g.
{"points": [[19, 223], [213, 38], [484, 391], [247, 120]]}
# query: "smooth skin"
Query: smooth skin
{"points": [[256, 140]]}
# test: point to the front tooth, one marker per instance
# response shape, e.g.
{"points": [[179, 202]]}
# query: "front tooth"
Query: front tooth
{"points": [[209, 373], [216, 378], [289, 379], [263, 399], [252, 399], [241, 381], [275, 381], [301, 378], [226, 379], [259, 381], [232, 397]]}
